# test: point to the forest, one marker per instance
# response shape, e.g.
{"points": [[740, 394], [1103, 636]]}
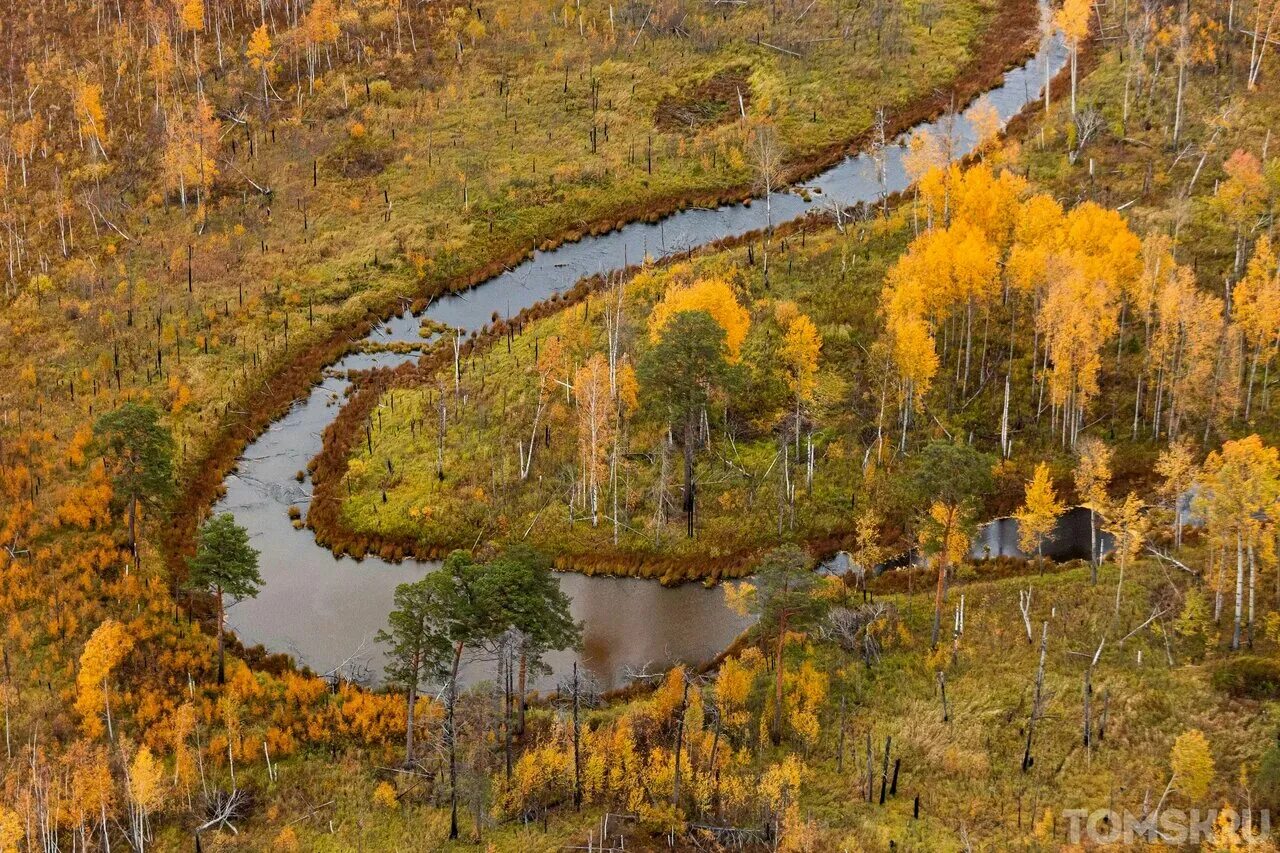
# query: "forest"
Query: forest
{"points": [[753, 425]]}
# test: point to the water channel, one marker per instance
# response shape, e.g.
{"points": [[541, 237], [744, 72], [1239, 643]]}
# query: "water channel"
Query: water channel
{"points": [[325, 610]]}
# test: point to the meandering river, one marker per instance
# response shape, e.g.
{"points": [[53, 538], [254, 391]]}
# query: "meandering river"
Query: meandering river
{"points": [[325, 610]]}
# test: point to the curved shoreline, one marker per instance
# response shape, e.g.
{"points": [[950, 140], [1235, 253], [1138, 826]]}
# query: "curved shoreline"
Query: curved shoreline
{"points": [[325, 516], [1007, 43]]}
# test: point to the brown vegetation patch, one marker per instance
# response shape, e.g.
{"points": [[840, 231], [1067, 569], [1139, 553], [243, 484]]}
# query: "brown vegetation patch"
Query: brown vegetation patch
{"points": [[717, 100]]}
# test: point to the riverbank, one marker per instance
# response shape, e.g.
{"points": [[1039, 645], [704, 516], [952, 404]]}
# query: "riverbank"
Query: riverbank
{"points": [[707, 559], [1006, 42]]}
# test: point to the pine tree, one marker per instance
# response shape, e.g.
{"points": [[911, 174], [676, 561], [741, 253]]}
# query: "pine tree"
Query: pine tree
{"points": [[225, 564], [138, 453]]}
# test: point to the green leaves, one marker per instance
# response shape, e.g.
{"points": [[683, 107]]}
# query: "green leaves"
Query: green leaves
{"points": [[224, 561], [418, 649], [686, 366], [785, 587], [468, 604], [138, 452]]}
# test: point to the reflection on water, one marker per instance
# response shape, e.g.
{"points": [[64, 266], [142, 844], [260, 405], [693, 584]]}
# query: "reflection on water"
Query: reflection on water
{"points": [[326, 610], [1069, 540]]}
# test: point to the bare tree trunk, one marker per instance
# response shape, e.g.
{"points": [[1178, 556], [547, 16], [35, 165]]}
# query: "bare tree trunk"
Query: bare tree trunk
{"points": [[222, 673], [1235, 632], [1027, 759]]}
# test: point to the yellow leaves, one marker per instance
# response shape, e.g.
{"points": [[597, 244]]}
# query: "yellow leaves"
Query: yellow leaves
{"points": [[781, 782], [1176, 466], [1127, 524], [808, 687], [259, 50], [986, 122], [1257, 297], [912, 345], [79, 444], [1077, 317], [356, 130], [384, 796], [1103, 247], [23, 136], [1192, 765], [1073, 18], [1043, 828], [1039, 512], [179, 395], [160, 64], [287, 840], [733, 687], [87, 101], [192, 140], [867, 529], [1237, 484], [739, 597], [191, 16], [90, 787], [924, 154], [106, 647], [667, 698], [956, 544], [88, 503], [712, 295], [801, 344], [1244, 192], [146, 780], [543, 773], [11, 830], [974, 265], [628, 389], [178, 727], [989, 202], [321, 23], [1186, 347], [1093, 472]]}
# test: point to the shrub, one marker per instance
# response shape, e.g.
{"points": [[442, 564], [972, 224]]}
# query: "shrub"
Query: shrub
{"points": [[1267, 782], [1252, 677]]}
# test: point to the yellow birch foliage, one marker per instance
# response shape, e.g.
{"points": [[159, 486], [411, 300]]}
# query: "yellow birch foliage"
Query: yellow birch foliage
{"points": [[1077, 318], [986, 122], [1073, 19], [733, 688], [801, 345], [192, 16], [1039, 512], [713, 295], [1192, 765], [106, 647], [146, 780], [11, 830], [1176, 467], [1257, 298], [1093, 472], [808, 690], [259, 50]]}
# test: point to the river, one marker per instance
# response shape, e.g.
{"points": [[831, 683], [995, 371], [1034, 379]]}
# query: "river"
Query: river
{"points": [[324, 611]]}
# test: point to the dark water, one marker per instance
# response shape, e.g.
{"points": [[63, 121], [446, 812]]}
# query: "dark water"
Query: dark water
{"points": [[999, 538], [1069, 541], [325, 610]]}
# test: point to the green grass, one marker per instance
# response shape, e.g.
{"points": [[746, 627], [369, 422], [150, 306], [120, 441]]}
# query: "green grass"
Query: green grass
{"points": [[483, 496], [836, 279]]}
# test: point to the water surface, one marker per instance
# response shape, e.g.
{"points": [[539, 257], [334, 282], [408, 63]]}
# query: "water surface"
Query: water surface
{"points": [[325, 610]]}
